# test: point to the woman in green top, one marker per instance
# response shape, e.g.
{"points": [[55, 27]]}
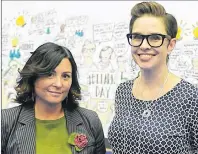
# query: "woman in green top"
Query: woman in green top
{"points": [[49, 119]]}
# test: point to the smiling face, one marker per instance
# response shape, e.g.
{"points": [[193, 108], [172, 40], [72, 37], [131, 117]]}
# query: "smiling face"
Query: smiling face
{"points": [[145, 56], [54, 88]]}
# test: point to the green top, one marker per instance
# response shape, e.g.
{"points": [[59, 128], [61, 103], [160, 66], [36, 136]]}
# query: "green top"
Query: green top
{"points": [[52, 137]]}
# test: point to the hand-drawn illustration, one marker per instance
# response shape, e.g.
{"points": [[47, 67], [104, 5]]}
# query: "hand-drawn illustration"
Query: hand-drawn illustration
{"points": [[42, 21], [195, 30], [20, 18], [15, 53], [182, 30], [12, 70], [48, 31], [121, 47], [104, 63], [103, 32], [6, 36], [15, 42], [20, 21], [122, 63], [120, 30], [184, 63], [87, 52], [79, 33], [60, 38], [72, 32], [195, 63]]}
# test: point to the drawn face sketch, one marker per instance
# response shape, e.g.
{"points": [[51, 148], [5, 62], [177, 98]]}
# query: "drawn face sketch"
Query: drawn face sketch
{"points": [[12, 70], [88, 49], [105, 54], [122, 63], [87, 52]]}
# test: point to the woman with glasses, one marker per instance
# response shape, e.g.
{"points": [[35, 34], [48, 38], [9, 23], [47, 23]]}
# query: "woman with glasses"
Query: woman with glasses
{"points": [[157, 112]]}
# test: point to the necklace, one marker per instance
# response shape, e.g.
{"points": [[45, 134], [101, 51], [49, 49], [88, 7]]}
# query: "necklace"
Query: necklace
{"points": [[147, 112]]}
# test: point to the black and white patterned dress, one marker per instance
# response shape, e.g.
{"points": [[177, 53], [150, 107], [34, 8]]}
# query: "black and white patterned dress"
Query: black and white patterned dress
{"points": [[172, 127]]}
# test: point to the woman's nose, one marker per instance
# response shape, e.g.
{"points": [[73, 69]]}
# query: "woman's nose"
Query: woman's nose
{"points": [[145, 44], [57, 82]]}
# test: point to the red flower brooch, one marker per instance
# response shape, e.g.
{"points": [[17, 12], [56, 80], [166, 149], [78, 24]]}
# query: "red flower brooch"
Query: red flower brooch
{"points": [[79, 140]]}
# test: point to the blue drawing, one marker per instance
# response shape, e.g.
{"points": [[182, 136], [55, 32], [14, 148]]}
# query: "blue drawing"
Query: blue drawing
{"points": [[79, 33], [15, 54], [48, 30]]}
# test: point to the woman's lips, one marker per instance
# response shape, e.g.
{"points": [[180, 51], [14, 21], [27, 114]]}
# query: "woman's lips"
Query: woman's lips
{"points": [[145, 57], [55, 92]]}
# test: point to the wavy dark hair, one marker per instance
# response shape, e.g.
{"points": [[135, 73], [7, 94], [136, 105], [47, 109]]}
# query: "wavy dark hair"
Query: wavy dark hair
{"points": [[41, 63]]}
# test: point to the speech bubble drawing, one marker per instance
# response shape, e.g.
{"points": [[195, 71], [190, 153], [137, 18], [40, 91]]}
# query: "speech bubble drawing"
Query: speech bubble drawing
{"points": [[103, 32]]}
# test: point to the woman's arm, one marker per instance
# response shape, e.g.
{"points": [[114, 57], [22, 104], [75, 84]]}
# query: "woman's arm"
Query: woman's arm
{"points": [[99, 136], [193, 118]]}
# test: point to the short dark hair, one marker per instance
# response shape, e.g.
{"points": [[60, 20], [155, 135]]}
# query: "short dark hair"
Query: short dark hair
{"points": [[154, 9], [42, 62]]}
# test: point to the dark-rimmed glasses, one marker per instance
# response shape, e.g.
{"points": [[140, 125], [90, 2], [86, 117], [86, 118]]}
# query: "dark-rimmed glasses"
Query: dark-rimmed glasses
{"points": [[154, 40]]}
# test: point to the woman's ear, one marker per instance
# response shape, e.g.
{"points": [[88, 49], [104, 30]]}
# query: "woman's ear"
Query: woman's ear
{"points": [[171, 45]]}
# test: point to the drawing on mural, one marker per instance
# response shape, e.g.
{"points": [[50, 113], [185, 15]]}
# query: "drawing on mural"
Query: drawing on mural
{"points": [[195, 30], [105, 57], [182, 30], [20, 21], [100, 49], [41, 23]]}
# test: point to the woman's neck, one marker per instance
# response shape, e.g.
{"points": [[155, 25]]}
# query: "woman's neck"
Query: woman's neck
{"points": [[153, 78], [48, 111]]}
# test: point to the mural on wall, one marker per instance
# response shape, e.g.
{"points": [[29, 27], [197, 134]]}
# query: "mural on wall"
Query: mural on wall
{"points": [[100, 49]]}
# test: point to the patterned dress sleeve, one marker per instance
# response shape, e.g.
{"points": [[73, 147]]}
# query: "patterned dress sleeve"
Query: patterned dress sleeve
{"points": [[193, 125]]}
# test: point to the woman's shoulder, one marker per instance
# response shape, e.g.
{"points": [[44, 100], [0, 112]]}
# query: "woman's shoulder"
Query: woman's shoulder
{"points": [[126, 84], [9, 115], [189, 88], [189, 93], [10, 111], [90, 117], [87, 112]]}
